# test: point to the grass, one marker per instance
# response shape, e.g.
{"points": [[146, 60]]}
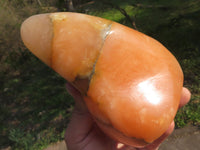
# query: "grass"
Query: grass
{"points": [[189, 113], [35, 107], [34, 114]]}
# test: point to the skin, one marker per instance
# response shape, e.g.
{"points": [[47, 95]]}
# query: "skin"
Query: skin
{"points": [[83, 133]]}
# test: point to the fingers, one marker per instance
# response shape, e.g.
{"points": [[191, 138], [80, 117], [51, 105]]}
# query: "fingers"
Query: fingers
{"points": [[185, 97]]}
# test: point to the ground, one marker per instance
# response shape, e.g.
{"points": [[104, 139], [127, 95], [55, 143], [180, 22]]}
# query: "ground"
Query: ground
{"points": [[186, 138]]}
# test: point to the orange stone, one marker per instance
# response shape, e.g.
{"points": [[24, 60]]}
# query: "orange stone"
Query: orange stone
{"points": [[130, 82]]}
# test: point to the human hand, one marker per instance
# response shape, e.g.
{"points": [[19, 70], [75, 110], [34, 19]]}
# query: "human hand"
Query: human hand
{"points": [[83, 133]]}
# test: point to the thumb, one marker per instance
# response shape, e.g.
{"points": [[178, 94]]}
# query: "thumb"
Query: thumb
{"points": [[79, 102], [81, 121]]}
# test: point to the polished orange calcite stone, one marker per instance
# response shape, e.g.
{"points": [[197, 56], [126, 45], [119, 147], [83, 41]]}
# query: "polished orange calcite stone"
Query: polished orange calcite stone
{"points": [[130, 82], [136, 86]]}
